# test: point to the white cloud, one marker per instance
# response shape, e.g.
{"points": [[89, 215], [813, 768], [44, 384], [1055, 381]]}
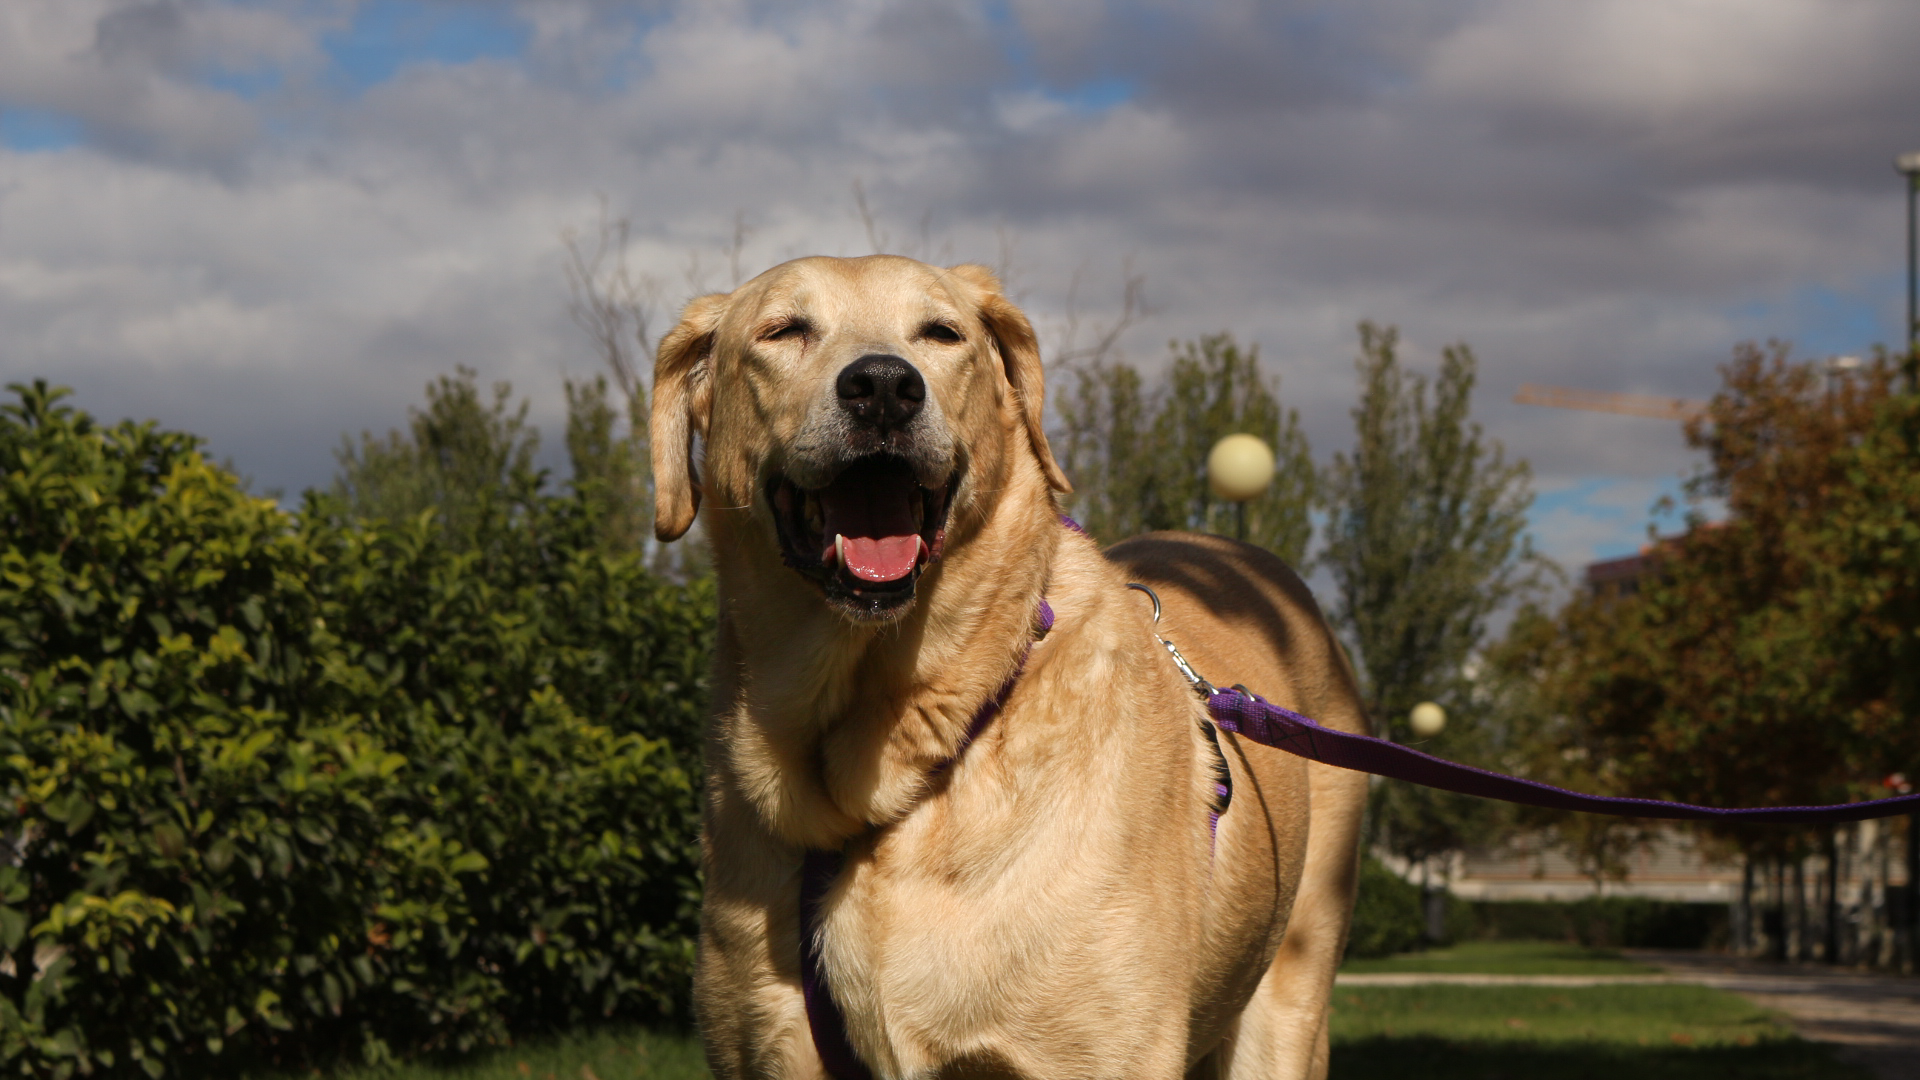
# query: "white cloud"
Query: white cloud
{"points": [[1604, 195]]}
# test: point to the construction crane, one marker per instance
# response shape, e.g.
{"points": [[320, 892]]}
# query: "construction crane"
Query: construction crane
{"points": [[1659, 408]]}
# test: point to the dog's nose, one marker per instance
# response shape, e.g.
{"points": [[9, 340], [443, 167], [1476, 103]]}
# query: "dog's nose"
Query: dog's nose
{"points": [[881, 390]]}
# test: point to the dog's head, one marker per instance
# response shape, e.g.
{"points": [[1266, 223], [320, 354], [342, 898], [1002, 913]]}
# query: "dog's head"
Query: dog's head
{"points": [[866, 412]]}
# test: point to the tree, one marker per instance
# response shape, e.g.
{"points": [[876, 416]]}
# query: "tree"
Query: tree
{"points": [[609, 469], [615, 307], [1872, 578], [460, 457], [1426, 540], [1138, 456], [1761, 658]]}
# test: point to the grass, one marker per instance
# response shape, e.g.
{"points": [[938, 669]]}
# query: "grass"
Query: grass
{"points": [[1505, 958], [595, 1055], [1643, 1032]]}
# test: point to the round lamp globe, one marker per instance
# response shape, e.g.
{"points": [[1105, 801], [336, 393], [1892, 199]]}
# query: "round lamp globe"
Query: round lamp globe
{"points": [[1428, 719], [1239, 468]]}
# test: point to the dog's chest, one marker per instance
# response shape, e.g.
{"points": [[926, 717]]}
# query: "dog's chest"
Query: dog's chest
{"points": [[937, 961]]}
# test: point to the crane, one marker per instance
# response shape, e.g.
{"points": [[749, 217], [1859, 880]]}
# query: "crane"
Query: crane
{"points": [[1658, 408]]}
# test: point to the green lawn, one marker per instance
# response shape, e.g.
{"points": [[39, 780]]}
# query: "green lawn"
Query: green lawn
{"points": [[1506, 958], [1661, 1032], [599, 1055], [1602, 1033]]}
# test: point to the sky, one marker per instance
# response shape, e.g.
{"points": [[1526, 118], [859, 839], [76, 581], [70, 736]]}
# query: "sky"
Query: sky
{"points": [[270, 223]]}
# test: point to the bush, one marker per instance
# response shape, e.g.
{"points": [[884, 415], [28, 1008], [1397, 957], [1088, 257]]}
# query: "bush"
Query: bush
{"points": [[1596, 922], [1387, 916], [278, 787]]}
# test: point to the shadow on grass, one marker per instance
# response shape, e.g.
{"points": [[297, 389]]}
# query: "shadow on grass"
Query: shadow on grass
{"points": [[1429, 1058]]}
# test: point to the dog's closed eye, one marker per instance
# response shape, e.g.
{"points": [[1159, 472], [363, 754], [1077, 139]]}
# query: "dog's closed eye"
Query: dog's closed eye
{"points": [[945, 332], [786, 329]]}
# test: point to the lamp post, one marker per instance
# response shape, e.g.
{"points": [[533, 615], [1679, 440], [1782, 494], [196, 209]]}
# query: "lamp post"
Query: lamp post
{"points": [[1239, 468], [1909, 166]]}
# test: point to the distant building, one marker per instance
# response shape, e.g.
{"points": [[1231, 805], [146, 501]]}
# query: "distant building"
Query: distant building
{"points": [[1617, 577]]}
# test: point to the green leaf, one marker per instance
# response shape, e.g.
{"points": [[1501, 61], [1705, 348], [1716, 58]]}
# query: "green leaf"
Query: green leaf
{"points": [[13, 928]]}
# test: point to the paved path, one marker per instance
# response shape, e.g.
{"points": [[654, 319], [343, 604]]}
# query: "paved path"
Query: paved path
{"points": [[1873, 1019]]}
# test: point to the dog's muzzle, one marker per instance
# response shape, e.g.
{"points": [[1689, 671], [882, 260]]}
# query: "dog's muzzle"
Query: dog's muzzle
{"points": [[879, 518]]}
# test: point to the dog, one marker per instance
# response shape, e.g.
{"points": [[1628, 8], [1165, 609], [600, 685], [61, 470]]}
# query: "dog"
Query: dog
{"points": [[1027, 882]]}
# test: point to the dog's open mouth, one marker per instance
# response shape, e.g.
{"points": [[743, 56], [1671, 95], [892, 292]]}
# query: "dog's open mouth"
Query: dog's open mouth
{"points": [[866, 536]]}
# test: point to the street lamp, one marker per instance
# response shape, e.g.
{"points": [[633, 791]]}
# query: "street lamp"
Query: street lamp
{"points": [[1909, 166], [1239, 468]]}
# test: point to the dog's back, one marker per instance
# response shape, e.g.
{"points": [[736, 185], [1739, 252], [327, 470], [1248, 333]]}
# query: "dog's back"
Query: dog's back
{"points": [[1241, 615]]}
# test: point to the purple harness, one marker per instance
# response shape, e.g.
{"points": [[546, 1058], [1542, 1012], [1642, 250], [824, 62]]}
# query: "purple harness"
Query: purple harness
{"points": [[1250, 716]]}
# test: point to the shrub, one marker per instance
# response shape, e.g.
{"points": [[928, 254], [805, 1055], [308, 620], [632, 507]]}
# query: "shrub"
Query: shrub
{"points": [[1596, 922], [281, 786], [1387, 916]]}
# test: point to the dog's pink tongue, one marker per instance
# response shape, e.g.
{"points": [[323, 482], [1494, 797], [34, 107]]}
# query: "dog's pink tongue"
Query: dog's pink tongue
{"points": [[872, 507], [884, 558]]}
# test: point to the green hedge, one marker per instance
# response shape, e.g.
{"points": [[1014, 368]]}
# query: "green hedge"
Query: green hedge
{"points": [[1596, 922], [276, 787], [1387, 916]]}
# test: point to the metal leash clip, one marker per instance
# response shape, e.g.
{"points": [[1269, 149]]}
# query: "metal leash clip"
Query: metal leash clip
{"points": [[1201, 686]]}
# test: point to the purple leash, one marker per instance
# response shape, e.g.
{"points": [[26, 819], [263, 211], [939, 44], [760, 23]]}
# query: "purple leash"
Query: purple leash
{"points": [[818, 869], [1252, 717]]}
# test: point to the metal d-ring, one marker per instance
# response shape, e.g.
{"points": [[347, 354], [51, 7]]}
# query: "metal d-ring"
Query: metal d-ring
{"points": [[1151, 595], [1200, 685]]}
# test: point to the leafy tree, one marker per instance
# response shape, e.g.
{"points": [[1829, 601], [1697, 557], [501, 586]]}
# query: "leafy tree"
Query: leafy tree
{"points": [[1765, 658], [460, 456], [1426, 540], [609, 469], [1871, 578], [1138, 456], [615, 308], [1729, 675]]}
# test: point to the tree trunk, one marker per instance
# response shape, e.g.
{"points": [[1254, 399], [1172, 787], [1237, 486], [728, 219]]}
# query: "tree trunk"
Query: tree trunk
{"points": [[1743, 910], [1833, 895], [1913, 892], [1798, 925], [1776, 929]]}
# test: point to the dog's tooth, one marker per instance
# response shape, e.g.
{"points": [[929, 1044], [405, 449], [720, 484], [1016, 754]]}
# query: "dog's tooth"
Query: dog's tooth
{"points": [[839, 550], [925, 554]]}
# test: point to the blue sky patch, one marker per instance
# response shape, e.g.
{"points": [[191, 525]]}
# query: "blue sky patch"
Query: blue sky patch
{"points": [[387, 35], [38, 129], [1096, 96], [1092, 96], [1821, 321], [251, 84], [1604, 516]]}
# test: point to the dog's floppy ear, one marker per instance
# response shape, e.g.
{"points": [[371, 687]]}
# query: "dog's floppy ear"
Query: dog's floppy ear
{"points": [[1020, 353], [682, 403]]}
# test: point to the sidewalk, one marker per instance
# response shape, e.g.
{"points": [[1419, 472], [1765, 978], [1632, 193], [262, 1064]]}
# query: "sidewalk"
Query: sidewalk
{"points": [[1873, 1019]]}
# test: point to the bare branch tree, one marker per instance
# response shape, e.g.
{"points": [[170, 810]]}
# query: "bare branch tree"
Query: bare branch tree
{"points": [[1105, 336], [611, 303], [740, 233], [876, 239]]}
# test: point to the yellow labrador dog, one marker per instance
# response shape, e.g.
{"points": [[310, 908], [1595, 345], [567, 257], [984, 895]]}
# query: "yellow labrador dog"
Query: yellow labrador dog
{"points": [[1026, 883]]}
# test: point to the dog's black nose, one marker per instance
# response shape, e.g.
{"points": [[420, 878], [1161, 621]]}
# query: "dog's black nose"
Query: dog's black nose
{"points": [[881, 391]]}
